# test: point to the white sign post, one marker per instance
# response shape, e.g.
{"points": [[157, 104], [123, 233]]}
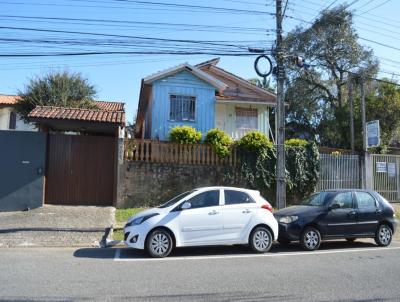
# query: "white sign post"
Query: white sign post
{"points": [[373, 134]]}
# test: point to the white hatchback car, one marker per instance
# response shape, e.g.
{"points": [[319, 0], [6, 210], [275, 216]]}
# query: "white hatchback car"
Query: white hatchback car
{"points": [[204, 216]]}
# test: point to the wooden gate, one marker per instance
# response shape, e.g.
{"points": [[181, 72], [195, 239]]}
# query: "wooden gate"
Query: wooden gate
{"points": [[80, 170]]}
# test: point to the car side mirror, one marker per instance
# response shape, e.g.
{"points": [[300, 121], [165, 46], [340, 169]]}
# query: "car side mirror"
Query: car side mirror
{"points": [[186, 205], [334, 206]]}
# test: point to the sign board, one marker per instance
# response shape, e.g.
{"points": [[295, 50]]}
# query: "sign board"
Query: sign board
{"points": [[373, 134], [381, 167], [391, 169]]}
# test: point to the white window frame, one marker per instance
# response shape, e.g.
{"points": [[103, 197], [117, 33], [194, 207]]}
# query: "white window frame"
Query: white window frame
{"points": [[248, 126]]}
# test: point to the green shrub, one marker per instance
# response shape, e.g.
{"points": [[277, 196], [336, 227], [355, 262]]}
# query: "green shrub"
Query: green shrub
{"points": [[302, 167], [184, 135], [220, 141], [254, 141], [296, 142]]}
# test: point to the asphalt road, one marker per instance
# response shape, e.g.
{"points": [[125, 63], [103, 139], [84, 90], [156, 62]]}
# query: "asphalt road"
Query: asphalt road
{"points": [[337, 272]]}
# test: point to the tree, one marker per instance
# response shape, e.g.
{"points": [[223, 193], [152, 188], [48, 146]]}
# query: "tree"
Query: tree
{"points": [[317, 95], [61, 89], [383, 104], [263, 83]]}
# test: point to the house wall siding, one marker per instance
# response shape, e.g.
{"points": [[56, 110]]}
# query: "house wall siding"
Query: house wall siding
{"points": [[226, 116], [20, 124], [182, 83]]}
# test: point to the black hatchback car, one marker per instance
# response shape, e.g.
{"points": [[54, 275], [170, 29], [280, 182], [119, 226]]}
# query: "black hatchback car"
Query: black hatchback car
{"points": [[340, 214]]}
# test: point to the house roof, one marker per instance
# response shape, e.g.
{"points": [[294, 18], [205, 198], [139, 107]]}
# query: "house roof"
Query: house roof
{"points": [[8, 99], [113, 106], [78, 114], [219, 85], [238, 87]]}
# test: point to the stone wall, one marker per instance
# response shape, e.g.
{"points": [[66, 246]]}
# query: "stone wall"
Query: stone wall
{"points": [[149, 184]]}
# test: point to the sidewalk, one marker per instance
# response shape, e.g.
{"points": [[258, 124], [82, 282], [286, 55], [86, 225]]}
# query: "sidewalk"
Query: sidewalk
{"points": [[56, 226]]}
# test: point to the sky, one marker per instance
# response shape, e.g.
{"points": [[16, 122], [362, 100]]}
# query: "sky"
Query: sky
{"points": [[218, 28]]}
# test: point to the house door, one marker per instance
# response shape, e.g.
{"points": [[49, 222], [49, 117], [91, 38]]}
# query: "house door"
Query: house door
{"points": [[80, 170]]}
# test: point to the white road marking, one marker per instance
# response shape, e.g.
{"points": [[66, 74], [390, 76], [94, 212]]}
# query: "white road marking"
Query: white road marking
{"points": [[118, 254]]}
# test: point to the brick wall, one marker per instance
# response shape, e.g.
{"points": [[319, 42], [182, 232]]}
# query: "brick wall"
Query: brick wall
{"points": [[150, 184]]}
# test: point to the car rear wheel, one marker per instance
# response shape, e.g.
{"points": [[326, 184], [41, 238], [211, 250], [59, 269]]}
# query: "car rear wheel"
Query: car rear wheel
{"points": [[383, 235], [159, 244], [351, 240], [260, 240], [310, 239]]}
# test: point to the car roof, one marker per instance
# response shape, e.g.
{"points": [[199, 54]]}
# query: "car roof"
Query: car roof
{"points": [[347, 190], [225, 188]]}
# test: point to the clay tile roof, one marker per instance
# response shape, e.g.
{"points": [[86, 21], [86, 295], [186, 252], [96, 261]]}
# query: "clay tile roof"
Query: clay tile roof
{"points": [[113, 106], [8, 99], [78, 114]]}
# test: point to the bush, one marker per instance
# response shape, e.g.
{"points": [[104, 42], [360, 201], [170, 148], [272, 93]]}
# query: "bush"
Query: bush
{"points": [[302, 167], [220, 141], [296, 142], [254, 141], [184, 135]]}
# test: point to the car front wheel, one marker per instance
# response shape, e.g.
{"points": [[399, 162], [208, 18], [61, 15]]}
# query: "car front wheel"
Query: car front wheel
{"points": [[311, 239], [383, 235], [260, 240], [159, 244]]}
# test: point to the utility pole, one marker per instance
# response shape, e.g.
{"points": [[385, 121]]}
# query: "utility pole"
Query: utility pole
{"points": [[363, 119], [364, 133], [351, 104], [280, 112]]}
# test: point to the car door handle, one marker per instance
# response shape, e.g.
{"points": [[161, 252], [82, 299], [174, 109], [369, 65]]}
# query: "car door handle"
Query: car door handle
{"points": [[378, 211], [352, 213], [213, 212], [247, 211]]}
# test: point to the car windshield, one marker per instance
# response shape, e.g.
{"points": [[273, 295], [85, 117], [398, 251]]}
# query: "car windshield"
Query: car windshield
{"points": [[175, 199], [316, 199]]}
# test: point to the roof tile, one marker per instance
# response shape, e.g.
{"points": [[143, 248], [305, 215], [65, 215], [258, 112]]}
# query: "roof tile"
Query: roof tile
{"points": [[8, 99], [63, 113]]}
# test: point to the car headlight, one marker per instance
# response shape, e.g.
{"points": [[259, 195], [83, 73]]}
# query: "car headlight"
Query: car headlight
{"points": [[288, 219], [140, 220]]}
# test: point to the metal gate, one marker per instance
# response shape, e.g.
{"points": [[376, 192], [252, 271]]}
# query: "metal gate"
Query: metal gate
{"points": [[386, 179], [80, 170], [339, 172], [22, 164]]}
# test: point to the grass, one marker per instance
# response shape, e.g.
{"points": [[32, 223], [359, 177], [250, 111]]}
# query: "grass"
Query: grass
{"points": [[118, 235], [121, 217]]}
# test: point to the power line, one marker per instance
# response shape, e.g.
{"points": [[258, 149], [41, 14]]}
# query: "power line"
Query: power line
{"points": [[65, 54], [367, 11], [208, 42], [196, 26]]}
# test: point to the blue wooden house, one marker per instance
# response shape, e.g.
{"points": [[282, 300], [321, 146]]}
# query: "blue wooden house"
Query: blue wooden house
{"points": [[203, 96]]}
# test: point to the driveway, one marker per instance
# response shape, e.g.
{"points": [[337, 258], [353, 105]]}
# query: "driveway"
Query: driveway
{"points": [[56, 226]]}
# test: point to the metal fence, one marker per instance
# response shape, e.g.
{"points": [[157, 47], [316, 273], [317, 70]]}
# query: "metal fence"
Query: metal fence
{"points": [[386, 179], [339, 172]]}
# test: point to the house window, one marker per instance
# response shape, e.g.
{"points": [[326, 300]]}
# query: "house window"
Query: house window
{"points": [[246, 118], [13, 120], [182, 108]]}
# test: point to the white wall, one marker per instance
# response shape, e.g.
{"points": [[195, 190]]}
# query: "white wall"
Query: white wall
{"points": [[20, 124]]}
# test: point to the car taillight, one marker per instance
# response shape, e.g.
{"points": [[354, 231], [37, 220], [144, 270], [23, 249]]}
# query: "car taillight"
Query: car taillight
{"points": [[268, 207]]}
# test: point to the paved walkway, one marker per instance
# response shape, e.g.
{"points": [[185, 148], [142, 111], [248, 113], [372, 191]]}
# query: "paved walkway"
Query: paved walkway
{"points": [[52, 226]]}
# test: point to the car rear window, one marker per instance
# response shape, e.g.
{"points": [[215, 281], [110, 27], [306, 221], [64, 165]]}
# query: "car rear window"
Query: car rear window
{"points": [[365, 200], [237, 197]]}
